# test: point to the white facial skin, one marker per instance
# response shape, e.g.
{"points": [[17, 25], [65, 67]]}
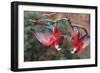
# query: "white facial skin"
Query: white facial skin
{"points": [[73, 51], [57, 47]]}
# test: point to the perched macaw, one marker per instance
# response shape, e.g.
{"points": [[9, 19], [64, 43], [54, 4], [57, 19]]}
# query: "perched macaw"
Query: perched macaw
{"points": [[54, 39], [80, 44], [49, 38]]}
